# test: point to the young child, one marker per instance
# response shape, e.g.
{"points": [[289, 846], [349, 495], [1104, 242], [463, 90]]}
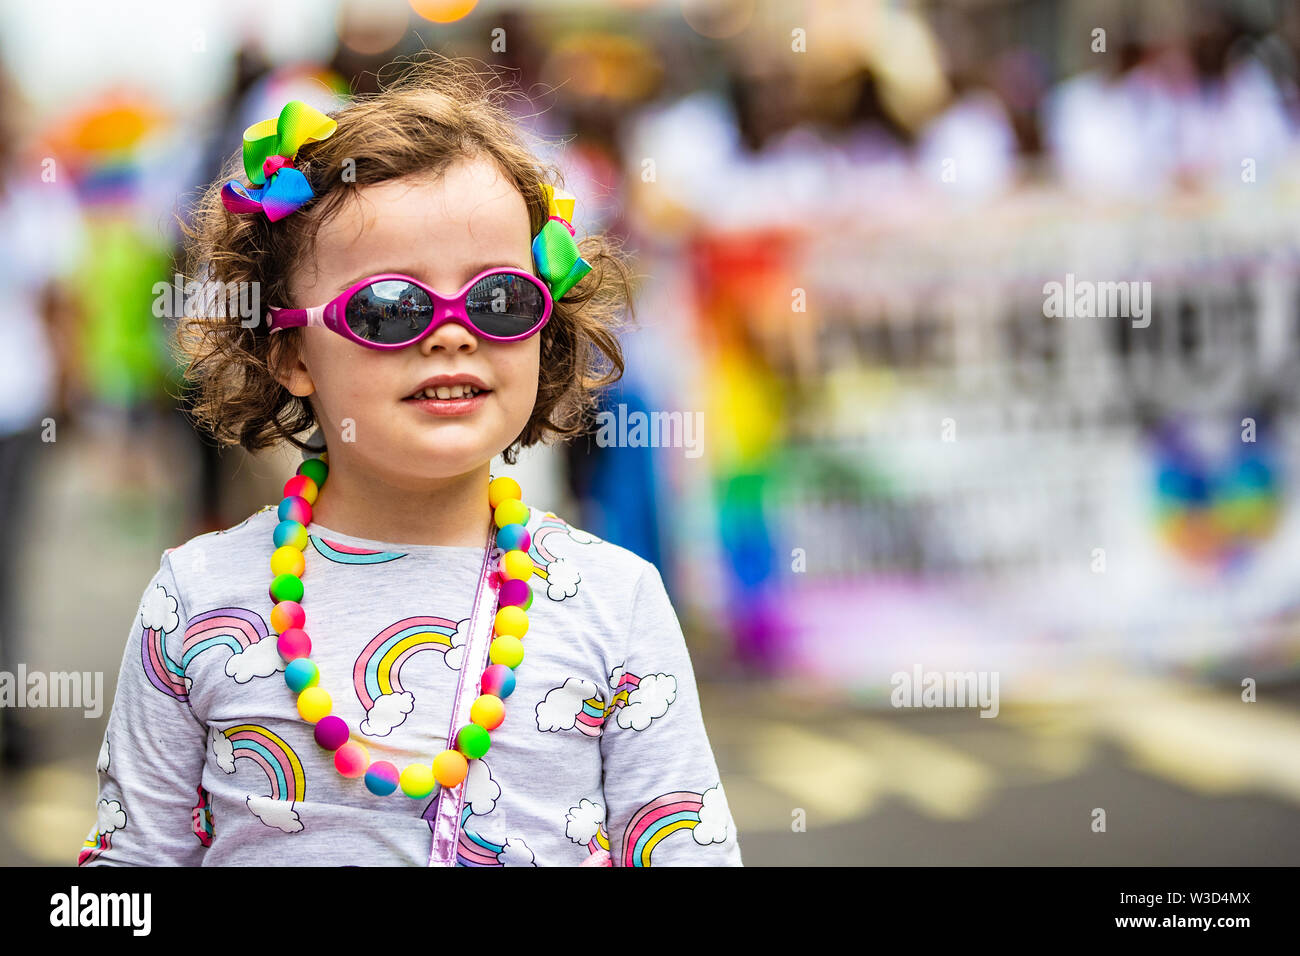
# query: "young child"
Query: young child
{"points": [[438, 674]]}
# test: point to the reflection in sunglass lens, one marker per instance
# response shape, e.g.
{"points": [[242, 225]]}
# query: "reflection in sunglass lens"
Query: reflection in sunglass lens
{"points": [[389, 311], [505, 304]]}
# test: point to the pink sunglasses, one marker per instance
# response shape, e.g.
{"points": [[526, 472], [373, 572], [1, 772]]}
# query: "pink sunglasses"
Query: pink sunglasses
{"points": [[392, 311]]}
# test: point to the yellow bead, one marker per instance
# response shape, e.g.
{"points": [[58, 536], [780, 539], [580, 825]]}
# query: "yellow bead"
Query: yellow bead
{"points": [[517, 564], [416, 780], [506, 650], [288, 560], [512, 620], [502, 489], [510, 511], [487, 711], [313, 704], [450, 767]]}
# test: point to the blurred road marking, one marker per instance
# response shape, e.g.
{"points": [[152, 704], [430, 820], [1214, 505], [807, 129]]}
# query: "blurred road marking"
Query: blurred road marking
{"points": [[1202, 738], [840, 775], [1207, 740], [938, 779], [829, 778]]}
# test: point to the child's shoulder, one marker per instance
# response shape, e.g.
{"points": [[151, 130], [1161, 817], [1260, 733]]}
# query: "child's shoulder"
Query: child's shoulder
{"points": [[252, 533], [556, 544]]}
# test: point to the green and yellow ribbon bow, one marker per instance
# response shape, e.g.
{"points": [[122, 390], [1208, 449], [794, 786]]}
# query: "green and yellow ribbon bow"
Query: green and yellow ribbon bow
{"points": [[555, 250]]}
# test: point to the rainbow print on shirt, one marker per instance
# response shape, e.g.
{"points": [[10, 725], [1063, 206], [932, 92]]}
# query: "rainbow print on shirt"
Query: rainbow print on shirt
{"points": [[585, 825], [578, 704], [475, 850], [341, 553], [281, 764], [201, 817], [376, 676], [560, 576], [158, 618], [111, 818], [706, 815], [243, 632]]}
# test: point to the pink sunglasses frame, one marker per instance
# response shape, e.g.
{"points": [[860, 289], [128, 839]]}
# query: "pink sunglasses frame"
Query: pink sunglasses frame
{"points": [[332, 315]]}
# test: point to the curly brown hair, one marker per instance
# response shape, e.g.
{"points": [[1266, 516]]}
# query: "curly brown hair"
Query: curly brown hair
{"points": [[439, 111]]}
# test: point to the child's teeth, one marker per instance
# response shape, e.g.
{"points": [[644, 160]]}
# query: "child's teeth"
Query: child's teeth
{"points": [[449, 391]]}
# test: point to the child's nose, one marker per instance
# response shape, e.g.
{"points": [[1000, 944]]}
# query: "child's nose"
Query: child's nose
{"points": [[449, 332]]}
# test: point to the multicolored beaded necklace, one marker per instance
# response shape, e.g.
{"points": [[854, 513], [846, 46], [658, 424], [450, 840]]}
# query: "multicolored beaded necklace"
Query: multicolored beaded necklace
{"points": [[288, 619]]}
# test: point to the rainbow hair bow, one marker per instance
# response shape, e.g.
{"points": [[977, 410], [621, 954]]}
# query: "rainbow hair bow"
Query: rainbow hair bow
{"points": [[275, 187], [555, 250]]}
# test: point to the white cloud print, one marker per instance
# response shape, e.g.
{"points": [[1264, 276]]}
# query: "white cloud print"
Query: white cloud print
{"points": [[559, 709], [481, 791], [223, 751], [515, 852], [387, 712], [715, 818], [562, 580], [456, 652], [261, 659], [648, 702], [275, 813], [110, 816], [583, 821], [158, 611]]}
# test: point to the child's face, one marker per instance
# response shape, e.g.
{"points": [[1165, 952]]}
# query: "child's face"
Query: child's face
{"points": [[442, 232]]}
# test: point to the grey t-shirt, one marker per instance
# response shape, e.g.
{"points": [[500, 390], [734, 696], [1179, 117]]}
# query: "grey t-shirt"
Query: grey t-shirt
{"points": [[602, 758]]}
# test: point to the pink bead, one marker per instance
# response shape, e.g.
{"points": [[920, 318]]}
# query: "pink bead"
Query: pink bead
{"points": [[497, 680], [351, 759], [294, 643], [295, 486], [331, 732], [295, 508], [513, 592]]}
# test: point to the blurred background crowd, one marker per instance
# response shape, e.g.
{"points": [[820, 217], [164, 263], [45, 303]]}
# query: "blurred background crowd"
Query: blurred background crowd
{"points": [[843, 217]]}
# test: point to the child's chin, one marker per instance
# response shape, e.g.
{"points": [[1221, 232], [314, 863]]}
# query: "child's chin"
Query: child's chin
{"points": [[442, 454]]}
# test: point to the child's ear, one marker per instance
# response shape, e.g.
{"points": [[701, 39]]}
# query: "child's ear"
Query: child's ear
{"points": [[288, 369]]}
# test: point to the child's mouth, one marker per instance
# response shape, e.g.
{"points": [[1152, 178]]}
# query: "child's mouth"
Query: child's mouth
{"points": [[453, 400], [445, 393]]}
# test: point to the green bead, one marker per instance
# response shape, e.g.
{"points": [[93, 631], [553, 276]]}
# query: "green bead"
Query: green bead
{"points": [[473, 741], [315, 469], [286, 587]]}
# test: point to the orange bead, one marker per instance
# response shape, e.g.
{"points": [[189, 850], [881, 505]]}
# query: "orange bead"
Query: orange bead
{"points": [[450, 767]]}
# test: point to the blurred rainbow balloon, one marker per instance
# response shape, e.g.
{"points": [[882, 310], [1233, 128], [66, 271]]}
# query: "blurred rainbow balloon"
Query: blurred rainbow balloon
{"points": [[99, 143], [1216, 515]]}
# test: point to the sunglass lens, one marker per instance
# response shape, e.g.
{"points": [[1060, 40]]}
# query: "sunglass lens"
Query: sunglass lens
{"points": [[389, 312], [505, 304]]}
